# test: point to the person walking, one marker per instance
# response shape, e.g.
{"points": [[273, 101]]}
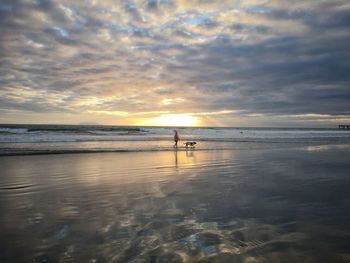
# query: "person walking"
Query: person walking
{"points": [[176, 138]]}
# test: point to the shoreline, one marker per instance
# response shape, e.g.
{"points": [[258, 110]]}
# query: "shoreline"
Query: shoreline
{"points": [[248, 146]]}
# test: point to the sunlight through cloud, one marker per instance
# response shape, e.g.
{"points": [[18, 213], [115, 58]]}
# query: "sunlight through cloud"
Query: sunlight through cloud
{"points": [[174, 120]]}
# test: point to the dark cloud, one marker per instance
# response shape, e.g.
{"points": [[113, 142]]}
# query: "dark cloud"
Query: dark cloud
{"points": [[239, 27], [152, 4]]}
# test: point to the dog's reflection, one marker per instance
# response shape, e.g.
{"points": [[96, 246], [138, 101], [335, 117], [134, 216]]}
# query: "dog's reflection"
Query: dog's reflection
{"points": [[189, 154]]}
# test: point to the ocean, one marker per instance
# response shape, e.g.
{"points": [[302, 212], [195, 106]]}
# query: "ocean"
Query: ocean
{"points": [[34, 139]]}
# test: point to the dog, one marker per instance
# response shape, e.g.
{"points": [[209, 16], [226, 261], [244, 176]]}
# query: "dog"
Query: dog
{"points": [[190, 144]]}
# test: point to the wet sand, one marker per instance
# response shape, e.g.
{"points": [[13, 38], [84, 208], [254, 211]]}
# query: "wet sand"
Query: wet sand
{"points": [[253, 205]]}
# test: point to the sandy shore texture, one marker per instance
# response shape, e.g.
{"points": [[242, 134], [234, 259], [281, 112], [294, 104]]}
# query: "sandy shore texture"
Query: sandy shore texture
{"points": [[252, 205]]}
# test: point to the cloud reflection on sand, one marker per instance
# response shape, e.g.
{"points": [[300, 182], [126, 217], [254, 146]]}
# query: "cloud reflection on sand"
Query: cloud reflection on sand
{"points": [[195, 206]]}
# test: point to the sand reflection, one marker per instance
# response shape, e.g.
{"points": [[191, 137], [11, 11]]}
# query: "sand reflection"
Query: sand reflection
{"points": [[180, 206]]}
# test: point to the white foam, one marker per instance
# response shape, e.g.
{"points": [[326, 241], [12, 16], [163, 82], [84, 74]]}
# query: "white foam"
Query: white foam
{"points": [[13, 130]]}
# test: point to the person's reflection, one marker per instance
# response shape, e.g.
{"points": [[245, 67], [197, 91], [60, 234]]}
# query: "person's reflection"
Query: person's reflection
{"points": [[175, 155]]}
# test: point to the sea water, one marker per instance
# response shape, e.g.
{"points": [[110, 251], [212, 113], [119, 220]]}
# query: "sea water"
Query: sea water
{"points": [[20, 139]]}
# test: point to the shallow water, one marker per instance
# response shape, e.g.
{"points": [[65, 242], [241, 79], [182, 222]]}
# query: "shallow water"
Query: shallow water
{"points": [[243, 205]]}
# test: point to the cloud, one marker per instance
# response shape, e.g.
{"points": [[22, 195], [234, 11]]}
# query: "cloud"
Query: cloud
{"points": [[247, 58]]}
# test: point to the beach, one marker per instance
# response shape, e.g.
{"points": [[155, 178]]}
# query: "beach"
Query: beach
{"points": [[248, 202]]}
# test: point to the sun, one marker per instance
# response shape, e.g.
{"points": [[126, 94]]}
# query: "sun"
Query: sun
{"points": [[173, 120]]}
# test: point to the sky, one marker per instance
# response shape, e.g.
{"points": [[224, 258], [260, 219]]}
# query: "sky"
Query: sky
{"points": [[175, 62]]}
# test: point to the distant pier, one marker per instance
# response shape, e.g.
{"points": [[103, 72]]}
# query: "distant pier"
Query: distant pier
{"points": [[344, 127]]}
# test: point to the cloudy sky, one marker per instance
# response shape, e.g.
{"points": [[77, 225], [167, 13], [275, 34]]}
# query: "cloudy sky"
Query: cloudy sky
{"points": [[225, 63]]}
